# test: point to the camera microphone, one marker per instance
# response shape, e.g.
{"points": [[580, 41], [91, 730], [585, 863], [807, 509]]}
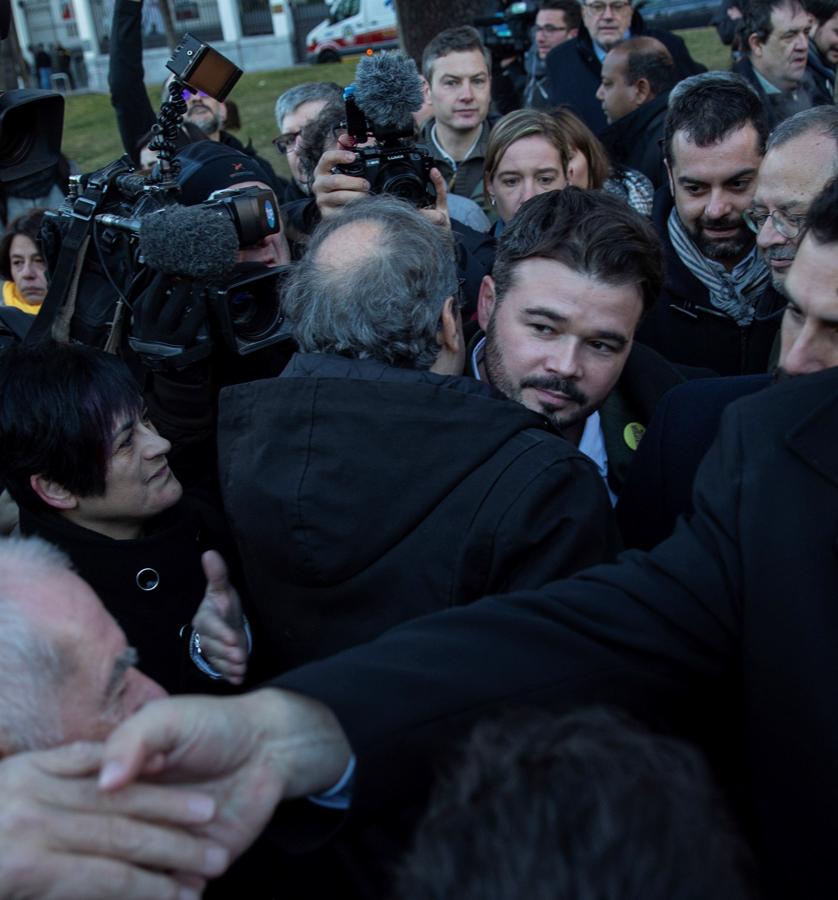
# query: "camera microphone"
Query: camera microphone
{"points": [[187, 240], [388, 90], [183, 240]]}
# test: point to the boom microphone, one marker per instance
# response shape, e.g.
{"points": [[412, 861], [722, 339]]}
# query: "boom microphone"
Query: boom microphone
{"points": [[388, 90], [183, 240]]}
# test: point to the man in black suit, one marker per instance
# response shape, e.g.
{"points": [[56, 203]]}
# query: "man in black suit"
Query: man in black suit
{"points": [[574, 67], [735, 612]]}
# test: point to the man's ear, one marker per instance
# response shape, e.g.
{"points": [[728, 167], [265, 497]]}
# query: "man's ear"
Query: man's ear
{"points": [[52, 493], [450, 334], [426, 89], [755, 44], [642, 91], [222, 115], [574, 32], [485, 301]]}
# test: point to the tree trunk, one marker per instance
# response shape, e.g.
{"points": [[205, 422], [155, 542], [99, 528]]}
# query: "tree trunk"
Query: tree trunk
{"points": [[420, 21]]}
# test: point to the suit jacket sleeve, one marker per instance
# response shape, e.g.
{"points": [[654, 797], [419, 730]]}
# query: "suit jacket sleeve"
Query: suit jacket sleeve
{"points": [[648, 632]]}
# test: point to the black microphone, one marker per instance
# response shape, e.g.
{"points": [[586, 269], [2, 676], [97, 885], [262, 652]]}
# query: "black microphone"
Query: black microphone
{"points": [[388, 90], [183, 240]]}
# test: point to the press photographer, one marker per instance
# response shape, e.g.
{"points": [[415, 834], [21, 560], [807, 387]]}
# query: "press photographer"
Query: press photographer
{"points": [[520, 75]]}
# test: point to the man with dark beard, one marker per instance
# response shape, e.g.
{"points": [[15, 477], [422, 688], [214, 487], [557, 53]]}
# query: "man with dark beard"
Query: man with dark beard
{"points": [[717, 306], [574, 273]]}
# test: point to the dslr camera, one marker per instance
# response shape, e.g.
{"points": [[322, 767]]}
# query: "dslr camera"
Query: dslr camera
{"points": [[395, 165], [379, 105]]}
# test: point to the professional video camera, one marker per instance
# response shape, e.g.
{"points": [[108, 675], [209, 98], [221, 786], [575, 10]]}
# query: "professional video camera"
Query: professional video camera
{"points": [[117, 228], [380, 105], [508, 33]]}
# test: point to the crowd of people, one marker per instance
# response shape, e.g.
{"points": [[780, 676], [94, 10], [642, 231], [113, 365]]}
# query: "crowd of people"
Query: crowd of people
{"points": [[508, 565]]}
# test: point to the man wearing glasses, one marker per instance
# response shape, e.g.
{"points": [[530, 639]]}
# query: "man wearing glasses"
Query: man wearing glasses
{"points": [[523, 80], [802, 156], [574, 67], [294, 110]]}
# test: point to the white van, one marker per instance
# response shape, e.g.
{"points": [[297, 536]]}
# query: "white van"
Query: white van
{"points": [[353, 26]]}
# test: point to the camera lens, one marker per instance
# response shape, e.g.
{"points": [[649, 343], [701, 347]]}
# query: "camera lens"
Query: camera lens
{"points": [[402, 181], [252, 317]]}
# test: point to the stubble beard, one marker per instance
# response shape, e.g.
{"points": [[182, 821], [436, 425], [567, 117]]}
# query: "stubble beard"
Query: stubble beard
{"points": [[500, 380]]}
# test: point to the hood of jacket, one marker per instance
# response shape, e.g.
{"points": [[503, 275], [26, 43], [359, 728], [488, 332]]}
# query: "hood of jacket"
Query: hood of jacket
{"points": [[338, 447]]}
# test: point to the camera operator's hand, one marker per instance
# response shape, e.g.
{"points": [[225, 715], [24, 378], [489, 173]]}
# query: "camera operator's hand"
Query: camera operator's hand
{"points": [[219, 622], [333, 191], [438, 213], [169, 327]]}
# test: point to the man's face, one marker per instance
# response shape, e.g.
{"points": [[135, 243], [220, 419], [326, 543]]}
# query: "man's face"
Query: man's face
{"points": [[102, 687], [607, 22], [826, 40], [292, 125], [790, 178], [782, 58], [460, 90], [712, 187], [809, 333], [558, 340], [205, 112], [138, 482], [550, 30], [617, 96]]}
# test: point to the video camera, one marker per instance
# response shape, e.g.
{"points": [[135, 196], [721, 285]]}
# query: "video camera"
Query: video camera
{"points": [[380, 105], [508, 33], [117, 228]]}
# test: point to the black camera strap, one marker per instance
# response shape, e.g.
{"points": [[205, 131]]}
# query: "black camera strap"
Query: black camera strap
{"points": [[61, 295]]}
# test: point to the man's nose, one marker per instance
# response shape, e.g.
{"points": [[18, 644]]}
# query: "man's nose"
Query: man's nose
{"points": [[768, 236], [564, 358], [718, 206]]}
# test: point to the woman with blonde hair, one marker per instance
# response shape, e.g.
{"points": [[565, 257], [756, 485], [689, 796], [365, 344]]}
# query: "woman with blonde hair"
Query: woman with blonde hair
{"points": [[527, 155]]}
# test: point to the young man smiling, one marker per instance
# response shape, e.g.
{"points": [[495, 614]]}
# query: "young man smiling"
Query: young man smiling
{"points": [[716, 307]]}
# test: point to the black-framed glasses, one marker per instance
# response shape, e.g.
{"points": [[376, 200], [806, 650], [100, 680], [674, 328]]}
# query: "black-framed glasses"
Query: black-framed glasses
{"points": [[286, 141], [787, 226]]}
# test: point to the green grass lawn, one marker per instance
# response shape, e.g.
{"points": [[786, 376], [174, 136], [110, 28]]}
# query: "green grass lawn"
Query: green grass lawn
{"points": [[92, 140]]}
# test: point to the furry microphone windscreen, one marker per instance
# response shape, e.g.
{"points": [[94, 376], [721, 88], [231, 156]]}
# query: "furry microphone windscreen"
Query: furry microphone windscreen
{"points": [[388, 89], [189, 241]]}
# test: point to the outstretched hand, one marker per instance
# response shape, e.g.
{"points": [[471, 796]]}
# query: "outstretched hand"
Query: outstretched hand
{"points": [[247, 752]]}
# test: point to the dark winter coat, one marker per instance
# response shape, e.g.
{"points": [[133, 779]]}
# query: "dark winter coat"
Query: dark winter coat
{"points": [[573, 71], [362, 495], [684, 327], [634, 140], [738, 608]]}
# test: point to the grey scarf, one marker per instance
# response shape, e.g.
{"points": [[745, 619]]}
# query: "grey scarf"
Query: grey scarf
{"points": [[733, 293]]}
